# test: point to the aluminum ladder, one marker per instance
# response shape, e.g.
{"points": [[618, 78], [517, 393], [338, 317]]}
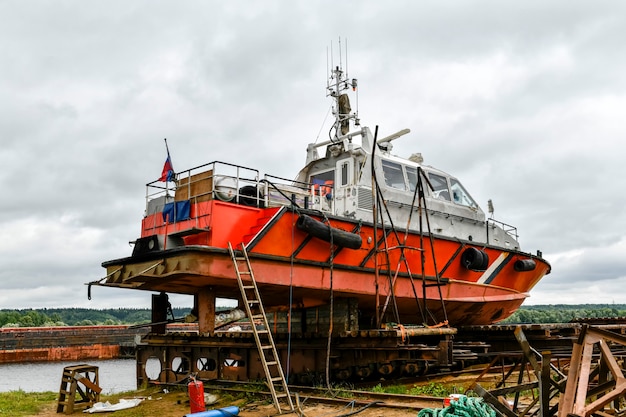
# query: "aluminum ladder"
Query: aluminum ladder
{"points": [[262, 336]]}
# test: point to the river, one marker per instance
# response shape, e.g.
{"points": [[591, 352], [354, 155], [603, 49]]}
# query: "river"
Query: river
{"points": [[115, 375]]}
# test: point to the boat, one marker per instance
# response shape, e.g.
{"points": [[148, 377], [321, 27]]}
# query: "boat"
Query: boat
{"points": [[403, 241]]}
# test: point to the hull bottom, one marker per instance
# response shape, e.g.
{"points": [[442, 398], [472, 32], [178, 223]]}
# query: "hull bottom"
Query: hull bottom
{"points": [[190, 271]]}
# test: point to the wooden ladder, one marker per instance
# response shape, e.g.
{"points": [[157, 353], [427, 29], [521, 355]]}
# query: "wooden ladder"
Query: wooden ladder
{"points": [[262, 336], [81, 379]]}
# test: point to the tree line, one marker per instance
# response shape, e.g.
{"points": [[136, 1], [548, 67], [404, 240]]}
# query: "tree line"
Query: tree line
{"points": [[46, 317], [565, 313]]}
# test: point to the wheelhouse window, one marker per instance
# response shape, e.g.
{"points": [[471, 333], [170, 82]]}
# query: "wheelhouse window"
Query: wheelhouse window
{"points": [[440, 186], [411, 173], [459, 195], [344, 173], [323, 183], [394, 177]]}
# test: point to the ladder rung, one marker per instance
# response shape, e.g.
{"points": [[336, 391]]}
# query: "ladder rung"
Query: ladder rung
{"points": [[265, 347], [248, 287], [272, 363], [276, 379], [240, 258], [253, 301]]}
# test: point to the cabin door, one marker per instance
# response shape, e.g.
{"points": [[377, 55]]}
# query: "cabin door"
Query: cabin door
{"points": [[344, 187]]}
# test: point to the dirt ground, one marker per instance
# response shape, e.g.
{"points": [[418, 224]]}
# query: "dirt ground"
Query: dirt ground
{"points": [[176, 404]]}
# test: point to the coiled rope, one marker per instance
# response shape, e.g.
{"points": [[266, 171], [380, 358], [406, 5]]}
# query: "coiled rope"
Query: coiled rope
{"points": [[461, 407]]}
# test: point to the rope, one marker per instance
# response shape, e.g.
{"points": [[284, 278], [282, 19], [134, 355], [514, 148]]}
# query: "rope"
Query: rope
{"points": [[461, 407]]}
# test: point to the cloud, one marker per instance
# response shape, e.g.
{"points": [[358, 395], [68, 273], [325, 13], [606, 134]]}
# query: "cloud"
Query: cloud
{"points": [[523, 107]]}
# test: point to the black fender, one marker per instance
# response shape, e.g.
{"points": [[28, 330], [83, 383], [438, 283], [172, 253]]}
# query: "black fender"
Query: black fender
{"points": [[523, 265], [475, 259], [322, 231]]}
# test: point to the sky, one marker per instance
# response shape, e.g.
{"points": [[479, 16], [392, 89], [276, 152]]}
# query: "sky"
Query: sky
{"points": [[522, 101]]}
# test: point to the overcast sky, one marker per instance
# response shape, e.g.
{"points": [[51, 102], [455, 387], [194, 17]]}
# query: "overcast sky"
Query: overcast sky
{"points": [[523, 101]]}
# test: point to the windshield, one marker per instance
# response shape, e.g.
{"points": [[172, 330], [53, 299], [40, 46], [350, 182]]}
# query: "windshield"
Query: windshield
{"points": [[459, 195], [440, 186], [394, 177]]}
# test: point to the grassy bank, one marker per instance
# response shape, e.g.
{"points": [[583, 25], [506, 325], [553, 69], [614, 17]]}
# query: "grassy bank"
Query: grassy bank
{"points": [[173, 402], [20, 403]]}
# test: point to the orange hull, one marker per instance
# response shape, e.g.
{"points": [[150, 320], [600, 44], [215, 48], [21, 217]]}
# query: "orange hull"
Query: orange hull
{"points": [[289, 262]]}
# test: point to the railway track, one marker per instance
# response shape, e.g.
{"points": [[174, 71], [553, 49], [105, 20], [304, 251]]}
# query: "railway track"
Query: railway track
{"points": [[340, 396]]}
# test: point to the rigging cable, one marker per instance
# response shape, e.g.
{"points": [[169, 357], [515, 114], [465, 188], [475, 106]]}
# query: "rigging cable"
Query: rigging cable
{"points": [[293, 238], [331, 312]]}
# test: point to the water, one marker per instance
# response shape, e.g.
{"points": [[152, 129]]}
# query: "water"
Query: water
{"points": [[115, 375]]}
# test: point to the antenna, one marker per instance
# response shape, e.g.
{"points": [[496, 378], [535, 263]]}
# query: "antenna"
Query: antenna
{"points": [[337, 86], [327, 67], [332, 58], [347, 59], [340, 62]]}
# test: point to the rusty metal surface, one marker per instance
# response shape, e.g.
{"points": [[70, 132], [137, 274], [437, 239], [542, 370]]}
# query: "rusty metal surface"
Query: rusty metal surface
{"points": [[66, 343], [234, 356]]}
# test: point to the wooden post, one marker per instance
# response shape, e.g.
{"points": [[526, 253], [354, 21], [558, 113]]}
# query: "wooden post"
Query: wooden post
{"points": [[544, 383], [206, 310]]}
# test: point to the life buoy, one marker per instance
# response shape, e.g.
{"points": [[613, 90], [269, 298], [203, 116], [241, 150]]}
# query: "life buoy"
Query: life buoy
{"points": [[523, 265], [475, 259]]}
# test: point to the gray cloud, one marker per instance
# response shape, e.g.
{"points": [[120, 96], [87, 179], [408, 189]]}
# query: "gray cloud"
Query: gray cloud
{"points": [[521, 101]]}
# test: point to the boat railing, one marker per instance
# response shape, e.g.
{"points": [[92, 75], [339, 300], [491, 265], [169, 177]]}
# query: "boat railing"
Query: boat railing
{"points": [[510, 231], [230, 183], [213, 181], [282, 192]]}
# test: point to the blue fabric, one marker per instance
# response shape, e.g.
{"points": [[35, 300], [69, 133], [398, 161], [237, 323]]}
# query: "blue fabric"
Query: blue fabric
{"points": [[176, 211]]}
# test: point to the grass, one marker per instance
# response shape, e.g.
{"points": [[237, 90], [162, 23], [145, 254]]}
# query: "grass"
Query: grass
{"points": [[175, 401], [172, 401], [432, 389], [20, 403]]}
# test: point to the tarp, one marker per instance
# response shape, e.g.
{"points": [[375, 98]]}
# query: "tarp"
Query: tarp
{"points": [[107, 407], [176, 211]]}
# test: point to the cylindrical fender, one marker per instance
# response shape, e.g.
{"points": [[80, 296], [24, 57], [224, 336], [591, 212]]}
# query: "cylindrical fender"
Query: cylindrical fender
{"points": [[322, 231], [523, 265], [475, 259]]}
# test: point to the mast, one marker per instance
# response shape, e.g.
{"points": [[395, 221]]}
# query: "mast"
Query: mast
{"points": [[337, 85]]}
